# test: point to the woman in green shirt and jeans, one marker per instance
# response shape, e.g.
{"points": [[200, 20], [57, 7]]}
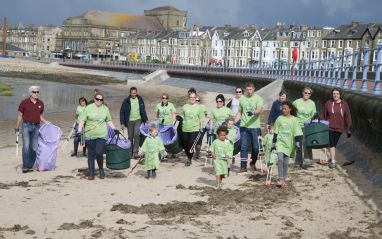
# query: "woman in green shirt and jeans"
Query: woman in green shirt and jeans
{"points": [[96, 116]]}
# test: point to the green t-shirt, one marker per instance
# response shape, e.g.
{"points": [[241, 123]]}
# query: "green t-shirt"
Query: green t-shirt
{"points": [[222, 149], [95, 118], [192, 117], [134, 111], [79, 111], [152, 147], [250, 104], [220, 115], [203, 109], [286, 129], [165, 113], [231, 135], [305, 110]]}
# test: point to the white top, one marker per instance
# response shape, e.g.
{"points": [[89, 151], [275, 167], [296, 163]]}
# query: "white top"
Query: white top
{"points": [[235, 105]]}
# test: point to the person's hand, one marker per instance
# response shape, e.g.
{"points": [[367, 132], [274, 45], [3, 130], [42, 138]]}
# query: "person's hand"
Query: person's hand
{"points": [[116, 131], [273, 147], [201, 130], [141, 154], [17, 131], [348, 134], [297, 144], [250, 113]]}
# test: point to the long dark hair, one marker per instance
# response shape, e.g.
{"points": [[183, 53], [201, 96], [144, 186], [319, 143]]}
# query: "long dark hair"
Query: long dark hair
{"points": [[293, 109], [220, 97]]}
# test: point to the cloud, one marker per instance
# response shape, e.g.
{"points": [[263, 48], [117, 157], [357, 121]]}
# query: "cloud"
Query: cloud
{"points": [[335, 6]]}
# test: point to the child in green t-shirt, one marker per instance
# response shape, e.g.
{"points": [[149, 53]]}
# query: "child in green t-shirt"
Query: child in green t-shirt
{"points": [[221, 150], [231, 137], [285, 139], [152, 148], [82, 102]]}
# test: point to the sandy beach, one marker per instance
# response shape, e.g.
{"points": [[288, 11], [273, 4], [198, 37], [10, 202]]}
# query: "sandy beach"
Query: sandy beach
{"points": [[181, 202]]}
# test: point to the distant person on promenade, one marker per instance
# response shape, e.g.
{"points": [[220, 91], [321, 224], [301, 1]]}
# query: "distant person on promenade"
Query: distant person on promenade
{"points": [[250, 108], [92, 126], [30, 112], [306, 109], [192, 125], [131, 115], [80, 108], [276, 109], [165, 112], [337, 112]]}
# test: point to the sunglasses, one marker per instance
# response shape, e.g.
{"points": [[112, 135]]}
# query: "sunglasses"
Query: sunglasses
{"points": [[164, 98], [198, 100], [239, 92], [35, 92], [219, 101], [307, 93], [98, 99]]}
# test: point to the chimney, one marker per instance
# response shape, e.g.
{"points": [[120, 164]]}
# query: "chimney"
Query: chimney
{"points": [[354, 23], [280, 24]]}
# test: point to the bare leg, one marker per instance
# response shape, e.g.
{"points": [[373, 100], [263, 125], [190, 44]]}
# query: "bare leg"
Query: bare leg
{"points": [[332, 153]]}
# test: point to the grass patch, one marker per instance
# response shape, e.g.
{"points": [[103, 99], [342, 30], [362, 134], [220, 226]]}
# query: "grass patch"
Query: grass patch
{"points": [[6, 89]]}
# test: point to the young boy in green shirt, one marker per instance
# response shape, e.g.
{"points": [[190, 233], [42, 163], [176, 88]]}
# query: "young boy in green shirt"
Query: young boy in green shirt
{"points": [[221, 150], [152, 147], [285, 139]]}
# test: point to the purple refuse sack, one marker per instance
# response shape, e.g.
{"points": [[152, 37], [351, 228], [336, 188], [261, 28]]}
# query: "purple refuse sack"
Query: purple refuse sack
{"points": [[316, 121], [110, 132], [48, 139], [208, 125], [168, 134], [120, 141], [145, 129]]}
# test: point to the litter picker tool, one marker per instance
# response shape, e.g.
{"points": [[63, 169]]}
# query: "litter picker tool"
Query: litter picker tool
{"points": [[68, 138], [261, 152], [18, 159], [268, 179], [132, 169]]}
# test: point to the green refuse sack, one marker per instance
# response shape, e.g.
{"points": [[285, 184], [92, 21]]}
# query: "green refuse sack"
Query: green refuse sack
{"points": [[316, 135], [118, 153]]}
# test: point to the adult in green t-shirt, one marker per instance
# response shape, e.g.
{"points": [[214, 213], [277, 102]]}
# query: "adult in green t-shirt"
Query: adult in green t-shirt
{"points": [[193, 118], [131, 115], [96, 116], [250, 108], [166, 112], [80, 108], [220, 113], [306, 108]]}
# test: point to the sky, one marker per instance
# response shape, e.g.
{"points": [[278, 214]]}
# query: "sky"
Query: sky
{"points": [[263, 13]]}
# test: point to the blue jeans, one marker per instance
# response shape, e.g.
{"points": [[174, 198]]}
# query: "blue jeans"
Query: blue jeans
{"points": [[248, 137], [95, 151], [30, 139]]}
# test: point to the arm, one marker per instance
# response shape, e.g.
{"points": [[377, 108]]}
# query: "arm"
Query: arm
{"points": [[238, 116], [110, 123], [19, 119], [122, 114], [80, 126], [43, 119], [271, 117], [142, 110], [258, 110], [174, 117], [325, 113]]}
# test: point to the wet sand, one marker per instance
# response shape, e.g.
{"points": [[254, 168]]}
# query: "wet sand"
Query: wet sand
{"points": [[181, 202]]}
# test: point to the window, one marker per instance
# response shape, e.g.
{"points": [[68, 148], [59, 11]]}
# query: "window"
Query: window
{"points": [[318, 33], [332, 44], [324, 44], [349, 43], [340, 44]]}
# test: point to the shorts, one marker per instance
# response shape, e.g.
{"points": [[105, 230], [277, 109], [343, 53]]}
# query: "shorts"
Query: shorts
{"points": [[334, 136]]}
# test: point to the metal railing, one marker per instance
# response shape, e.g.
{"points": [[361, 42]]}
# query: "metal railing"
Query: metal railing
{"points": [[334, 71]]}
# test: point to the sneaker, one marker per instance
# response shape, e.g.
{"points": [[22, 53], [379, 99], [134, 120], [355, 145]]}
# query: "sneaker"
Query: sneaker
{"points": [[243, 170], [147, 176], [73, 155], [27, 170], [101, 174], [332, 165], [91, 178], [154, 175], [188, 162]]}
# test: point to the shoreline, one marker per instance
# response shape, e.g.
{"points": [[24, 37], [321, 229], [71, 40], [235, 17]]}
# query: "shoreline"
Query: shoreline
{"points": [[317, 203]]}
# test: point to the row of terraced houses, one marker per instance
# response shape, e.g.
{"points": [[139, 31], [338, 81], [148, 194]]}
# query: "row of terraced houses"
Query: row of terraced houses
{"points": [[161, 35]]}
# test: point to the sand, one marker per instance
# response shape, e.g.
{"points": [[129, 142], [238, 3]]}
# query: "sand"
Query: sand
{"points": [[182, 201]]}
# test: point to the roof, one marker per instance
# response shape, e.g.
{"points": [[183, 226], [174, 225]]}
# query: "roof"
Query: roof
{"points": [[122, 20], [12, 47], [165, 8], [351, 31]]}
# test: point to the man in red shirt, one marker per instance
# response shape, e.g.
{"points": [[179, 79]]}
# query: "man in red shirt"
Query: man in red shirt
{"points": [[30, 112]]}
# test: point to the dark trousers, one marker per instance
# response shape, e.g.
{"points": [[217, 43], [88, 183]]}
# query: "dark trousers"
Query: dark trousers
{"points": [[30, 142], [248, 137], [95, 151], [188, 140], [133, 131]]}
